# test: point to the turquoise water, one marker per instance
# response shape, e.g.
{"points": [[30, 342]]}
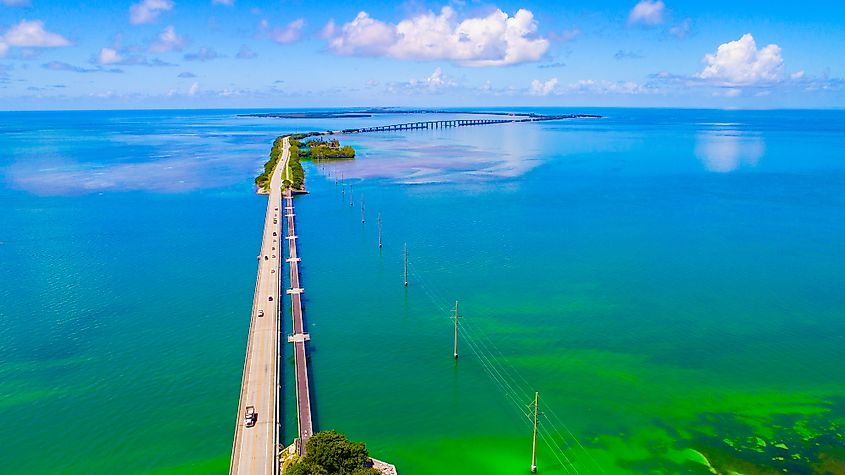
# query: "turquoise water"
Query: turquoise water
{"points": [[669, 281]]}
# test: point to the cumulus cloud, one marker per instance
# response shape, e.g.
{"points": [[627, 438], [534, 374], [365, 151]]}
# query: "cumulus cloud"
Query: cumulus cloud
{"points": [[204, 54], [195, 87], [647, 12], [437, 81], [168, 40], [148, 11], [109, 56], [31, 34], [542, 88], [585, 86], [290, 33], [246, 53], [328, 30], [741, 63], [493, 40]]}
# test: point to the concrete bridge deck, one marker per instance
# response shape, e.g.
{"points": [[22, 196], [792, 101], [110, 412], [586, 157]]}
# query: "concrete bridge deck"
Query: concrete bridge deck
{"points": [[299, 336], [439, 124], [255, 449]]}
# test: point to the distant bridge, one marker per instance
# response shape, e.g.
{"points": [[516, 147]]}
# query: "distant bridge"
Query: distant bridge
{"points": [[439, 124]]}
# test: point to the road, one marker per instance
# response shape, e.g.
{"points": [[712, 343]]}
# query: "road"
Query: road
{"points": [[255, 449]]}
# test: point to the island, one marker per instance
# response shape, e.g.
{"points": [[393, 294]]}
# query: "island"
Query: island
{"points": [[314, 149]]}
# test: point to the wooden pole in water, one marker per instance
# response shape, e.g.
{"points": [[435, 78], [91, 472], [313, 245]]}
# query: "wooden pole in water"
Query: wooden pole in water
{"points": [[534, 444], [362, 208], [379, 230], [406, 263], [456, 329], [350, 196]]}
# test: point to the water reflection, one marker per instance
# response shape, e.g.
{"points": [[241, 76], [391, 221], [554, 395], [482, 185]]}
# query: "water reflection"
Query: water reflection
{"points": [[724, 149], [472, 154]]}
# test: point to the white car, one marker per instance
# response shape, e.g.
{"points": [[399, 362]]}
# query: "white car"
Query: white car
{"points": [[250, 416]]}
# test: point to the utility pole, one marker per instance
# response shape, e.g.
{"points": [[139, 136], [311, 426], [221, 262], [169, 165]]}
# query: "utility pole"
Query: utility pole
{"points": [[350, 195], [379, 230], [456, 329], [534, 444], [362, 208], [406, 264]]}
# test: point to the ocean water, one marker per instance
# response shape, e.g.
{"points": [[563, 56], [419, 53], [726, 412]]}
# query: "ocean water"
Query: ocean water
{"points": [[668, 281]]}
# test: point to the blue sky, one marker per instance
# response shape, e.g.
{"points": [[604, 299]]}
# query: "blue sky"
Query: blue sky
{"points": [[60, 54]]}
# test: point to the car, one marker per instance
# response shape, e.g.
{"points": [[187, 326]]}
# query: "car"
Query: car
{"points": [[250, 416], [270, 298], [272, 271], [260, 312], [274, 256], [277, 209], [265, 258], [274, 233]]}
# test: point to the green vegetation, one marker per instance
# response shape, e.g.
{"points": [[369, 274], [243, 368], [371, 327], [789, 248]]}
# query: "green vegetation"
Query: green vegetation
{"points": [[319, 149], [331, 453], [263, 180], [297, 174]]}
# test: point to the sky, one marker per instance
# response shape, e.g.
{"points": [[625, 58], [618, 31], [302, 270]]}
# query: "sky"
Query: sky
{"points": [[115, 54]]}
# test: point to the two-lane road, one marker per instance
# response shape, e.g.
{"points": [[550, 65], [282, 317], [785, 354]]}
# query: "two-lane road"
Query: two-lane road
{"points": [[255, 449]]}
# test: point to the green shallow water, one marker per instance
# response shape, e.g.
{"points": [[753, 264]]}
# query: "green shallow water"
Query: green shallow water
{"points": [[669, 281]]}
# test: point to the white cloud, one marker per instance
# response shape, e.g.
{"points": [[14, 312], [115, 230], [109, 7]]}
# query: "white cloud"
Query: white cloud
{"points": [[543, 88], [494, 40], [797, 75], [438, 80], [195, 87], [31, 34], [168, 40], [648, 12], [3, 49], [246, 53], [682, 29], [147, 11], [203, 54], [109, 56], [328, 31], [435, 82], [585, 86], [228, 3], [741, 63], [15, 3], [290, 33]]}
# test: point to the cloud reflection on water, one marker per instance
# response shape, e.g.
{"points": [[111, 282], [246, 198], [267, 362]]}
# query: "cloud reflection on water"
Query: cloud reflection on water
{"points": [[725, 148], [476, 154]]}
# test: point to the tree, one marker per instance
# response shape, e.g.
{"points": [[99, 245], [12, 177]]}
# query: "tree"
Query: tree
{"points": [[331, 453]]}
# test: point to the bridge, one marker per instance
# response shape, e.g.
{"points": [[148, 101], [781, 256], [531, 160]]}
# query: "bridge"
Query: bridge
{"points": [[299, 335], [440, 124], [256, 444]]}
